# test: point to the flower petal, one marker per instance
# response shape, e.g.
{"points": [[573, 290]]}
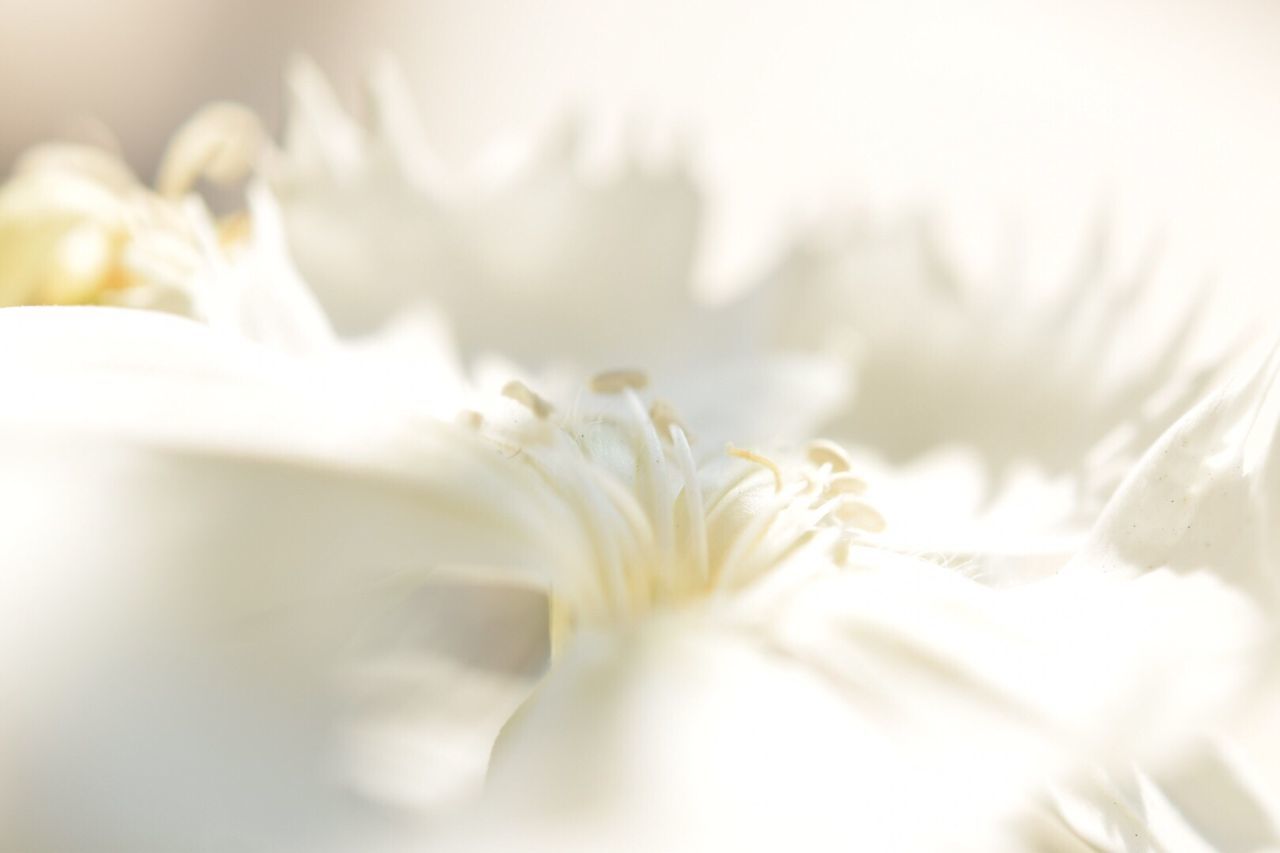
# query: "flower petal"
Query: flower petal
{"points": [[557, 250], [1206, 803], [1205, 496], [1024, 371], [203, 541], [899, 706]]}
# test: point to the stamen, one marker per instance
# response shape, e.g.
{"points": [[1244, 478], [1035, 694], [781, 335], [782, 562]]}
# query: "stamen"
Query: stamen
{"points": [[860, 515], [749, 556], [617, 381], [664, 417], [618, 526], [844, 484], [234, 229], [694, 512], [599, 584], [645, 534], [824, 452], [220, 143], [651, 480], [518, 391], [471, 419], [759, 459]]}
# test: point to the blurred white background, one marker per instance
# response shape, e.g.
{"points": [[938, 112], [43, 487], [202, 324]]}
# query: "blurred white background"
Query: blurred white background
{"points": [[1040, 113]]}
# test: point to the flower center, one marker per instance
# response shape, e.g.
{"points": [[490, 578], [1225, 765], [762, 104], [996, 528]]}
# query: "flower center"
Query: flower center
{"points": [[649, 526], [70, 216], [60, 261]]}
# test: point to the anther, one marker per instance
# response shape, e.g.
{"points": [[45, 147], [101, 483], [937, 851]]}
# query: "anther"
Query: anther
{"points": [[664, 417], [861, 516], [518, 391], [617, 381], [824, 452], [759, 459], [844, 483], [234, 229], [471, 419], [220, 143]]}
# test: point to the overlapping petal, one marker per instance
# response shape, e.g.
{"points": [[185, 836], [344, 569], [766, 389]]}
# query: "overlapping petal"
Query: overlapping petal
{"points": [[560, 268], [205, 544]]}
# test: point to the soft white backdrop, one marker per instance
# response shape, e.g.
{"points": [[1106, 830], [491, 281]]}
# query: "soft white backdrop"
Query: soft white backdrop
{"points": [[1039, 113]]}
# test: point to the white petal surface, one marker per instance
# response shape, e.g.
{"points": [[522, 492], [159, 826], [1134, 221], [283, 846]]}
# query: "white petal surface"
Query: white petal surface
{"points": [[561, 268], [1070, 373], [1207, 802], [896, 707], [203, 542], [523, 263], [1205, 496]]}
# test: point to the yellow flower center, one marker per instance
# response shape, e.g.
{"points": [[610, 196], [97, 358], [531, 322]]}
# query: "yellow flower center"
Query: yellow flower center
{"points": [[60, 260], [69, 215]]}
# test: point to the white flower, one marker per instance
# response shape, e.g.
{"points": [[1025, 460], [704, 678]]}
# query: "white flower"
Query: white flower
{"points": [[1025, 399], [735, 663], [212, 552], [1019, 407], [734, 671], [77, 228], [556, 268], [247, 555], [1207, 801], [70, 216], [1206, 494]]}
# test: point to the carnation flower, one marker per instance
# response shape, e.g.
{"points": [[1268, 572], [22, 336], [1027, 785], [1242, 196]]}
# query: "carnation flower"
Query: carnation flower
{"points": [[1023, 400], [285, 574], [1018, 406], [550, 265], [70, 215], [1206, 494], [209, 545], [850, 689], [725, 632]]}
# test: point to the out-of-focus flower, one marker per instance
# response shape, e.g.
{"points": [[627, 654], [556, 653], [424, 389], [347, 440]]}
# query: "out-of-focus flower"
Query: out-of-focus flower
{"points": [[62, 228], [554, 266], [77, 228], [282, 553], [1026, 399], [1206, 494], [1017, 369], [1017, 406], [70, 215]]}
